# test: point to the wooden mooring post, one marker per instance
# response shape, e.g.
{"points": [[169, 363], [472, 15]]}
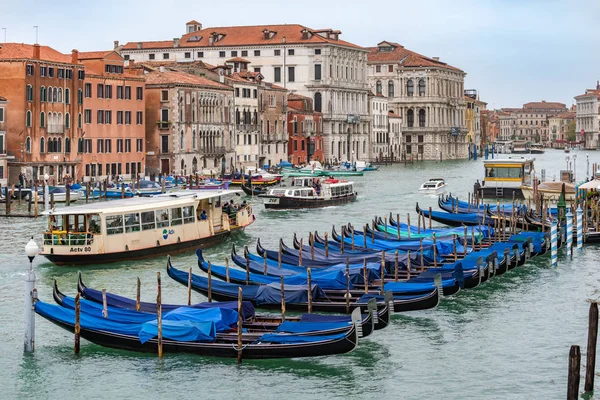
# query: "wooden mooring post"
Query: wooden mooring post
{"points": [[159, 316], [574, 365], [590, 365]]}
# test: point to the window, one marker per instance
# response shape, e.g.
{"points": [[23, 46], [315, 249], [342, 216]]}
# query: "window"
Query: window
{"points": [[100, 117], [318, 102], [234, 54], [200, 54], [139, 118], [132, 222], [79, 121], [139, 143], [43, 71], [100, 146], [42, 146], [256, 53], [51, 72], [165, 56], [79, 96], [421, 118], [317, 72], [107, 145], [421, 87], [29, 69], [257, 70], [108, 117], [164, 144], [42, 120], [221, 54], [119, 117], [410, 88], [100, 91], [127, 145], [291, 74], [119, 145], [276, 52], [390, 88], [151, 56], [187, 54], [88, 90], [28, 119], [390, 68], [148, 221], [317, 51], [244, 53], [108, 92], [378, 88], [67, 120], [61, 73], [181, 141], [127, 92], [378, 68], [162, 218], [164, 120], [43, 94], [277, 72], [114, 224], [410, 119], [119, 92], [164, 95], [176, 216], [88, 116], [29, 92], [67, 145], [188, 214], [127, 117], [1, 114], [139, 93], [81, 75]]}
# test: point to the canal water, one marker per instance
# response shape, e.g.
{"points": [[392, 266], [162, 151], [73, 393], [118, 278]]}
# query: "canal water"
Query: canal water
{"points": [[508, 339]]}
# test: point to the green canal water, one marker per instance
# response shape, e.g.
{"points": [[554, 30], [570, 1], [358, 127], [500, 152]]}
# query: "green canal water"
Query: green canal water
{"points": [[508, 339]]}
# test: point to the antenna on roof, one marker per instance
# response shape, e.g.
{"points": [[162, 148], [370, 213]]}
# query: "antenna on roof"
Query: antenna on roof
{"points": [[36, 33]]}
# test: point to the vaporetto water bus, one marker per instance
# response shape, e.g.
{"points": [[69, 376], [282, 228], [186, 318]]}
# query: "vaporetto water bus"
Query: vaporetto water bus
{"points": [[141, 227]]}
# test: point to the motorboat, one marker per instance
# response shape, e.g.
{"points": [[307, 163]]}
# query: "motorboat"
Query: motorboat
{"points": [[59, 193], [435, 185], [309, 192]]}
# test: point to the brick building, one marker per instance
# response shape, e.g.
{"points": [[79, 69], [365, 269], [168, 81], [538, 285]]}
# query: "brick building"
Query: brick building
{"points": [[3, 155], [305, 130], [112, 141], [44, 89]]}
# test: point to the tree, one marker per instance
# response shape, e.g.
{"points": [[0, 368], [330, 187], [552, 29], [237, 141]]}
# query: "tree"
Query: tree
{"points": [[571, 131]]}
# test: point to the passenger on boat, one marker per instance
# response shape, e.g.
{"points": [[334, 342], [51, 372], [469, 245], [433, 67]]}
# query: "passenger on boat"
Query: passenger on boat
{"points": [[203, 216]]}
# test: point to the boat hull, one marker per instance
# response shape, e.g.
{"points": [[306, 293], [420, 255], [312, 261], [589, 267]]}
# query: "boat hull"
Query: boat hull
{"points": [[282, 202], [507, 193]]}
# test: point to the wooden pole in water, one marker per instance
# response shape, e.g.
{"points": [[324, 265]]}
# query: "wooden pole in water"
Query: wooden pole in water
{"points": [[77, 318], [137, 295], [472, 240], [51, 201], [398, 225], [279, 254], [396, 266], [347, 285], [574, 365], [365, 276], [422, 256], [122, 190], [382, 271], [407, 265], [454, 245], [430, 212], [227, 269], [87, 191], [365, 236], [281, 280], [419, 224], [590, 365], [465, 245], [342, 242], [326, 248], [373, 232], [309, 290], [352, 239], [311, 239], [469, 202], [300, 254], [159, 315], [408, 224], [265, 263], [434, 251], [104, 306], [189, 287], [247, 271], [36, 208], [239, 327], [385, 233], [209, 282]]}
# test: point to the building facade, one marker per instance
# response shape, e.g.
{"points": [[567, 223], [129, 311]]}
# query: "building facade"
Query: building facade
{"points": [[188, 120], [395, 135], [3, 152], [305, 131], [427, 94], [379, 138], [44, 89], [114, 135], [311, 62], [558, 128], [588, 118]]}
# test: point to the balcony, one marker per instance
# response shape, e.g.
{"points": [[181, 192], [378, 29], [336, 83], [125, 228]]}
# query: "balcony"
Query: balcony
{"points": [[55, 128], [214, 151], [163, 125]]}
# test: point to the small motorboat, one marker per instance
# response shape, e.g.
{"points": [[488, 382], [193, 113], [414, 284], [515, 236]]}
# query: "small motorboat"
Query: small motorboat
{"points": [[59, 193], [435, 185]]}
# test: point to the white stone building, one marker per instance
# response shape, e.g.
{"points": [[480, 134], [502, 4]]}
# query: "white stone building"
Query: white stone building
{"points": [[427, 94], [587, 118], [508, 123], [378, 109], [310, 62], [395, 135]]}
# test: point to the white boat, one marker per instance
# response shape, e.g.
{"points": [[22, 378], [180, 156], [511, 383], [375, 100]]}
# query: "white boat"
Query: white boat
{"points": [[550, 191], [308, 192], [141, 227], [435, 185], [59, 193]]}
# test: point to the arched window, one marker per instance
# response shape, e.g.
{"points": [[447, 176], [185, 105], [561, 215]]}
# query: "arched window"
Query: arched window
{"points": [[181, 143], [237, 116], [58, 146], [421, 87], [80, 96], [42, 120], [28, 145], [67, 145], [318, 102], [422, 118], [182, 167], [80, 145], [67, 120], [410, 88], [79, 121], [255, 118], [42, 94], [59, 120], [49, 94], [28, 119], [54, 95], [410, 118], [390, 88], [194, 165], [60, 93], [29, 92], [42, 146], [67, 96], [194, 144], [378, 88]]}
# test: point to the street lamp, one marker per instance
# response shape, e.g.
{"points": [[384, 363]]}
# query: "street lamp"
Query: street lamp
{"points": [[587, 168], [574, 167], [46, 192], [31, 249]]}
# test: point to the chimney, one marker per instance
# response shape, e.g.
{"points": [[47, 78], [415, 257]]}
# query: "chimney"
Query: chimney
{"points": [[139, 45], [436, 58], [36, 51], [116, 44], [74, 56], [175, 42], [211, 39]]}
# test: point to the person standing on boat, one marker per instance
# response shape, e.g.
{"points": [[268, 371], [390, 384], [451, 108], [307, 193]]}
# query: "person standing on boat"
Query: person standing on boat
{"points": [[203, 216]]}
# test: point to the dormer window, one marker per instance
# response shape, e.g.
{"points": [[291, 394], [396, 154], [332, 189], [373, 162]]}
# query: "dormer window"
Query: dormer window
{"points": [[267, 34], [195, 39], [306, 34]]}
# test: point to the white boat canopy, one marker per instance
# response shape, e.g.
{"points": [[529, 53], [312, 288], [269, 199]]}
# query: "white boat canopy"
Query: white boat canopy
{"points": [[591, 185]]}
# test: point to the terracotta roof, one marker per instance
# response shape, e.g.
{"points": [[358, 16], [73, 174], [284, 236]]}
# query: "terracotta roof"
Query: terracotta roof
{"points": [[25, 51], [238, 59], [2, 99], [93, 55], [566, 115], [246, 36], [404, 57], [194, 22], [176, 77], [295, 96], [543, 104], [392, 115], [590, 92]]}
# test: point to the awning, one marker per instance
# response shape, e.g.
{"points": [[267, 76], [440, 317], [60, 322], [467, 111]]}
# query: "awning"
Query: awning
{"points": [[591, 185]]}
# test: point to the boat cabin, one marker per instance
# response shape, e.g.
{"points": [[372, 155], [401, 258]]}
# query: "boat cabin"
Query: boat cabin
{"points": [[310, 187], [505, 176]]}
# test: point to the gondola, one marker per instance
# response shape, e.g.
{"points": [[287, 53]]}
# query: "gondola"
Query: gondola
{"points": [[255, 191], [451, 219], [124, 336]]}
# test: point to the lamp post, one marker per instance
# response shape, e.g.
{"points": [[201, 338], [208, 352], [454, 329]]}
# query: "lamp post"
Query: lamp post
{"points": [[587, 168], [574, 167], [567, 159], [46, 192], [31, 249]]}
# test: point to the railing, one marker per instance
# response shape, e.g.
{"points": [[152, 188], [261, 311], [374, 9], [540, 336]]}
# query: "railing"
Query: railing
{"points": [[62, 238], [219, 150], [163, 124]]}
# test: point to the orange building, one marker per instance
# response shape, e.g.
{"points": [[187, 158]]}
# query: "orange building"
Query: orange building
{"points": [[113, 138], [305, 131], [44, 89]]}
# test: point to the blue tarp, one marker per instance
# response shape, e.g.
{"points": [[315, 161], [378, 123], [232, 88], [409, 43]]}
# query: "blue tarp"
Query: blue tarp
{"points": [[271, 294], [288, 339], [306, 327], [324, 318], [182, 331]]}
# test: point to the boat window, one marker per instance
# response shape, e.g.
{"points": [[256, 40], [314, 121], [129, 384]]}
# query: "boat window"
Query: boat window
{"points": [[176, 216], [114, 224], [296, 193], [94, 223], [188, 214], [306, 193], [56, 223], [132, 222], [162, 218], [148, 220]]}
